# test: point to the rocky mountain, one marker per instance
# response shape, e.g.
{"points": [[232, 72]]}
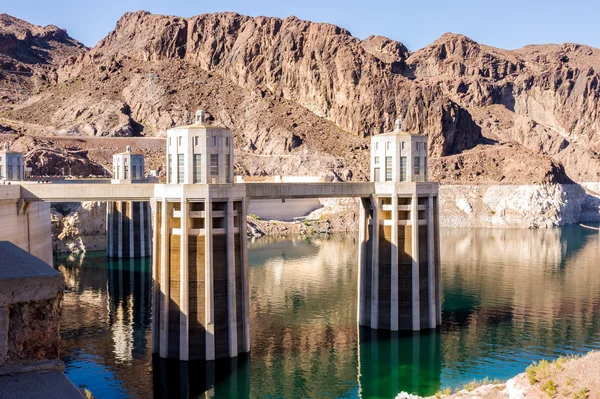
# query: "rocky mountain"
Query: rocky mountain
{"points": [[303, 97], [29, 57]]}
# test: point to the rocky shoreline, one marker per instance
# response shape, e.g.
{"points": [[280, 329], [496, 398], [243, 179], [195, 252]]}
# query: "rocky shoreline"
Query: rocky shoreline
{"points": [[566, 377]]}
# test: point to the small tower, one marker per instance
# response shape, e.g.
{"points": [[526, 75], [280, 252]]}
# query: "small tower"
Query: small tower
{"points": [[12, 165], [199, 153], [128, 223], [399, 261], [200, 307], [128, 167]]}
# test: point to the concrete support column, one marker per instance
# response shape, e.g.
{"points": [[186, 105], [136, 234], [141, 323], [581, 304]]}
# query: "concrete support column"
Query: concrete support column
{"points": [[184, 295], [375, 264], [394, 266], [155, 280], [209, 297], [132, 222], [416, 306], [143, 220], [245, 282], [164, 279], [431, 272], [362, 258], [120, 230], [436, 209], [231, 292], [109, 230]]}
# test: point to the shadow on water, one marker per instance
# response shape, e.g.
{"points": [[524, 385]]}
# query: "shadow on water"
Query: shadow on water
{"points": [[390, 362], [226, 378]]}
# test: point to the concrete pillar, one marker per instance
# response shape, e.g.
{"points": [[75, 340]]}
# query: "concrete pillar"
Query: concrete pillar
{"points": [[438, 265], [231, 292], [375, 263], [184, 285], [139, 226], [132, 222], [164, 280], [144, 218], [431, 272], [109, 230], [120, 231], [394, 266], [245, 282], [209, 297], [416, 307], [362, 258], [155, 279]]}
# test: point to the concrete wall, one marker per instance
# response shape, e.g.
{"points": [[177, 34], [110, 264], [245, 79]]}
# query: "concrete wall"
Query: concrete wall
{"points": [[30, 230], [280, 209]]}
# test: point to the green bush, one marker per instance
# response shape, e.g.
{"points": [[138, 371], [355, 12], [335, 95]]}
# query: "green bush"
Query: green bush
{"points": [[549, 388]]}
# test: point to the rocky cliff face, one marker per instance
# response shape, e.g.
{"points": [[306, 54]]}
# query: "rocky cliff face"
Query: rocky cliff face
{"points": [[29, 57], [79, 228], [301, 97]]}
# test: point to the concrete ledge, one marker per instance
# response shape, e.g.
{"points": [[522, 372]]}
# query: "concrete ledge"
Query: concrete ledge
{"points": [[32, 367], [25, 278], [47, 385]]}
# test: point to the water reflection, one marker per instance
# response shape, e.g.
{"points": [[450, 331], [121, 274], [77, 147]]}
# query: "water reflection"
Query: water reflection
{"points": [[510, 297], [106, 321]]}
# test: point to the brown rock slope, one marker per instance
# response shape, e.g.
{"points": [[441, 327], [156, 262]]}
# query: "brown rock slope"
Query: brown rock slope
{"points": [[301, 97], [29, 56]]}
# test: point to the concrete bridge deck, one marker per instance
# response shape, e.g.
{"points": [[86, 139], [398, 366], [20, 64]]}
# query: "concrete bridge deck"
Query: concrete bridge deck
{"points": [[74, 192]]}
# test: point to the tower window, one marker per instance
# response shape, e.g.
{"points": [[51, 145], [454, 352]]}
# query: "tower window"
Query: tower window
{"points": [[214, 164], [214, 140], [388, 168], [417, 166], [402, 168], [376, 160], [376, 174], [197, 168], [180, 168], [196, 140], [402, 145], [227, 167]]}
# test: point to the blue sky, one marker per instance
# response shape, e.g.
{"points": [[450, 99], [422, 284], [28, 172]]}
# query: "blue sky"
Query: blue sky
{"points": [[507, 24]]}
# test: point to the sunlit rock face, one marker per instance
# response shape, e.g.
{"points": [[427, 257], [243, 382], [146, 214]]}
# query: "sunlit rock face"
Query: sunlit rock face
{"points": [[521, 206], [81, 228]]}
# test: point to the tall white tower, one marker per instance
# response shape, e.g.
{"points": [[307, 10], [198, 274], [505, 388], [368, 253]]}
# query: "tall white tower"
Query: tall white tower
{"points": [[200, 307], [399, 262]]}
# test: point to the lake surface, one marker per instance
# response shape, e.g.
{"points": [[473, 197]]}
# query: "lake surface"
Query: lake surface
{"points": [[510, 297]]}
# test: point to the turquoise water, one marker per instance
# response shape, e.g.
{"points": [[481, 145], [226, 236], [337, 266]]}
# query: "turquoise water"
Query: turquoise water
{"points": [[509, 297]]}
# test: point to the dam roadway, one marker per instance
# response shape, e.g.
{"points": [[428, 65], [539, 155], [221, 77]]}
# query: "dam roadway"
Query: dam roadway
{"points": [[77, 192]]}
